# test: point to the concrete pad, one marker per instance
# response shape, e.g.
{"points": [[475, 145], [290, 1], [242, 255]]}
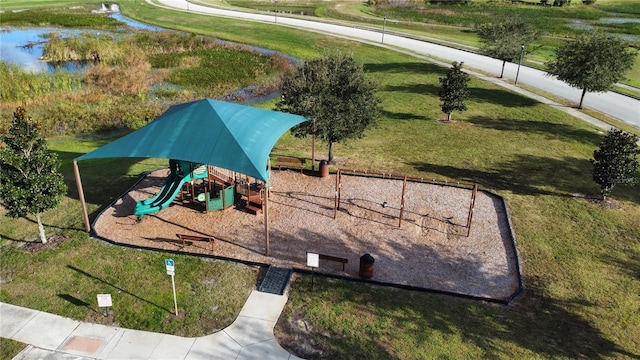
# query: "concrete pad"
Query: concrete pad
{"points": [[246, 331], [264, 306], [216, 346], [57, 328], [89, 339], [266, 350], [13, 318], [173, 347], [131, 344], [33, 353]]}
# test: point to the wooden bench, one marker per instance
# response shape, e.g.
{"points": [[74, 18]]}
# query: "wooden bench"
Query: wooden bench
{"points": [[333, 258], [290, 163], [185, 237]]}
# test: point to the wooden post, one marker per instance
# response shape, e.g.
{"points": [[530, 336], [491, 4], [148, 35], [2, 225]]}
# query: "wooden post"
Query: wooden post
{"points": [[335, 196], [471, 205], [339, 175], [313, 146], [85, 215], [404, 187], [265, 209]]}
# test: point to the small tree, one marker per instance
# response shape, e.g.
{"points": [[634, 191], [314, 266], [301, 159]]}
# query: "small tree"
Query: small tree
{"points": [[29, 181], [334, 91], [592, 63], [505, 39], [454, 90], [615, 162]]}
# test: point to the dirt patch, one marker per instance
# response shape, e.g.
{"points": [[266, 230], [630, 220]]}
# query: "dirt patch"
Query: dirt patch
{"points": [[297, 337], [597, 200], [36, 245]]}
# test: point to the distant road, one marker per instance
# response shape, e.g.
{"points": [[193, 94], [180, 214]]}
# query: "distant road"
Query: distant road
{"points": [[620, 107]]}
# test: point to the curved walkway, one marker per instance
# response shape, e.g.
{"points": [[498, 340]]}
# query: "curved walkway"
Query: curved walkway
{"points": [[618, 106], [54, 337]]}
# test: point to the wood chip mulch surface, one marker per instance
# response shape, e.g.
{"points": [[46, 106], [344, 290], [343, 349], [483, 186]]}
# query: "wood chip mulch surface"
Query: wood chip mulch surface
{"points": [[429, 250]]}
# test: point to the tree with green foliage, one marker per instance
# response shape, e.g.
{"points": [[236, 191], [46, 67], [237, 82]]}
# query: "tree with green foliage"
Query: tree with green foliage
{"points": [[593, 63], [333, 91], [29, 180], [507, 38], [616, 161], [454, 90]]}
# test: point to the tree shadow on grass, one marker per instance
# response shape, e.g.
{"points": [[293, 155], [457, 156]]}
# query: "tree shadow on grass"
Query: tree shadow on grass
{"points": [[402, 115], [500, 97], [546, 327], [405, 67], [550, 130], [524, 174], [98, 279], [418, 88]]}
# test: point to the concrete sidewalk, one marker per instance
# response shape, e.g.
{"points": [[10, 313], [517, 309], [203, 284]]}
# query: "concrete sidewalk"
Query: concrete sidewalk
{"points": [[54, 337]]}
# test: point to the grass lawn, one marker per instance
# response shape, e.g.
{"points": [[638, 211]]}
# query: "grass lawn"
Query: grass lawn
{"points": [[580, 260]]}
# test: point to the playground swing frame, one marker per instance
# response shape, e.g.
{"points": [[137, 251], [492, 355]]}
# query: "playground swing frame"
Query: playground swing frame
{"points": [[471, 186]]}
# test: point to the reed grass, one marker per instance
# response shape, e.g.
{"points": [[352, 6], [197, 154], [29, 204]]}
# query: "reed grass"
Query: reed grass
{"points": [[17, 84]]}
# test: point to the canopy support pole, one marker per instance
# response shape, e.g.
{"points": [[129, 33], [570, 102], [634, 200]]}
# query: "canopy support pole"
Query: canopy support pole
{"points": [[313, 147], [265, 193], [85, 215]]}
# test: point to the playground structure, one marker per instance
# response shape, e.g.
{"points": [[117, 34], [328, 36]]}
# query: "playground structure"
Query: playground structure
{"points": [[223, 183]]}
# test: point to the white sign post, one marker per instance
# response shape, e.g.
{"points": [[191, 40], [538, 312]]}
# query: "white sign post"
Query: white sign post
{"points": [[171, 270], [104, 301], [313, 261]]}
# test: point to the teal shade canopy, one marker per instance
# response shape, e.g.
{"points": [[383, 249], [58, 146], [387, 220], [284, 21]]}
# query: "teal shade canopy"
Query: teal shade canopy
{"points": [[231, 136]]}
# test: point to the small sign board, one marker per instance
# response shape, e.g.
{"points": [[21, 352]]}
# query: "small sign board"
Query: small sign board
{"points": [[104, 300], [313, 260], [170, 265]]}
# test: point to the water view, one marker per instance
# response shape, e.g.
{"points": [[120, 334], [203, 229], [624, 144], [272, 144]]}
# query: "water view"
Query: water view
{"points": [[24, 46]]}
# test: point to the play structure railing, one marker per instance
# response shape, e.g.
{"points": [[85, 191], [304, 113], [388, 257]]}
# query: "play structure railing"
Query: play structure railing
{"points": [[228, 176]]}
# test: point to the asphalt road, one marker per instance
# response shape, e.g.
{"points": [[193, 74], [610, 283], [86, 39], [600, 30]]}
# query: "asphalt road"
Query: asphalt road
{"points": [[623, 108]]}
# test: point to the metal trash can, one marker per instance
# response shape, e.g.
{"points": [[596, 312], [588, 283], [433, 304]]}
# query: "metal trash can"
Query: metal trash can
{"points": [[366, 266], [324, 168]]}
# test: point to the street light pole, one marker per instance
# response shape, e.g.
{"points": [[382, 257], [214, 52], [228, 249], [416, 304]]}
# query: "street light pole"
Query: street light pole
{"points": [[384, 24], [519, 63], [276, 14]]}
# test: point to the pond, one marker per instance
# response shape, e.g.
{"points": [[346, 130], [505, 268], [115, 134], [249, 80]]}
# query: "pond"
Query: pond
{"points": [[24, 46]]}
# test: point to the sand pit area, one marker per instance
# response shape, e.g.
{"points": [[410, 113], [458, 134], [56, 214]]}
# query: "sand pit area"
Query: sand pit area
{"points": [[430, 249]]}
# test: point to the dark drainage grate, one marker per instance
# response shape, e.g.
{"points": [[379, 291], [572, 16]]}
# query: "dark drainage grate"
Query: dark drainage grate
{"points": [[275, 281]]}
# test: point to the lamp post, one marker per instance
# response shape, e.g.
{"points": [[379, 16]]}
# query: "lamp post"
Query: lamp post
{"points": [[384, 24], [519, 63], [276, 14]]}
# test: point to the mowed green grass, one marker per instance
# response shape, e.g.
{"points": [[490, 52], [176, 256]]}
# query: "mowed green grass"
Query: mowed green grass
{"points": [[580, 261]]}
